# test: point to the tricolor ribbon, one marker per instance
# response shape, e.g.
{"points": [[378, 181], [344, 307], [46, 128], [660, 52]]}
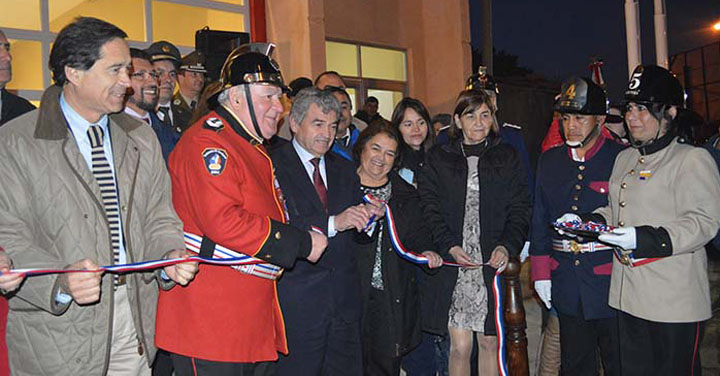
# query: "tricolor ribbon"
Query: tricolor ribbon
{"points": [[141, 266], [251, 265], [400, 249], [629, 260], [499, 327], [419, 259]]}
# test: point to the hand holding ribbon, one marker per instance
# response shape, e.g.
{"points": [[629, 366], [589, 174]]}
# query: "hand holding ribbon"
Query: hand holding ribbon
{"points": [[82, 281], [181, 273], [499, 258], [8, 281], [461, 257]]}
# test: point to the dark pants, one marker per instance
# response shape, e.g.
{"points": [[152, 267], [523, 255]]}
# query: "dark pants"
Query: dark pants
{"points": [[659, 349], [186, 366], [163, 365], [430, 358], [580, 340], [327, 346]]}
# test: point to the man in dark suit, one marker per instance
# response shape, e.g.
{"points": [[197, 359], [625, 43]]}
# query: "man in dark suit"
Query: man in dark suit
{"points": [[142, 98], [11, 106], [321, 302], [165, 58]]}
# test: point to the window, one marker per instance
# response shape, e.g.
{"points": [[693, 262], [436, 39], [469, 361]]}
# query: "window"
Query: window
{"points": [[369, 71], [144, 21], [342, 58], [382, 63], [25, 14], [166, 17], [25, 71], [387, 100], [128, 15]]}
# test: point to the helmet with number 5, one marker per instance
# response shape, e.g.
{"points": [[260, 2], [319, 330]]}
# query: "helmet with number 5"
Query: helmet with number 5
{"points": [[654, 84]]}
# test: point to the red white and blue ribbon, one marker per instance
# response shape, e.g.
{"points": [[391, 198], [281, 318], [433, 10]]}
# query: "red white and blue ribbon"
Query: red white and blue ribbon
{"points": [[499, 326], [252, 265], [140, 266], [420, 259], [400, 249]]}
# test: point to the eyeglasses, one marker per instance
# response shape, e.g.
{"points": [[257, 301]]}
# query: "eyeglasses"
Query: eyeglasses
{"points": [[144, 75], [171, 74]]}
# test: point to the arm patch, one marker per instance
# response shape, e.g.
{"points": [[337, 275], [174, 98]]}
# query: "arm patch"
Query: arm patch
{"points": [[215, 160], [214, 124]]}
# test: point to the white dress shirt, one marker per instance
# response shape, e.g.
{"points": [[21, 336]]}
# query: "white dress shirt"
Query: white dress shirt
{"points": [[305, 158]]}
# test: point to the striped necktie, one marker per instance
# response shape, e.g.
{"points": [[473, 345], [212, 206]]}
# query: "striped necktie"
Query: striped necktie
{"points": [[106, 180]]}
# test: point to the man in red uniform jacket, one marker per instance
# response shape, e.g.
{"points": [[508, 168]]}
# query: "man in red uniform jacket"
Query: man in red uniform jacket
{"points": [[224, 190]]}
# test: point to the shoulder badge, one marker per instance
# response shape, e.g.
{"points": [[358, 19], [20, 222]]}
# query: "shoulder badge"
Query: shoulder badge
{"points": [[215, 160], [214, 124]]}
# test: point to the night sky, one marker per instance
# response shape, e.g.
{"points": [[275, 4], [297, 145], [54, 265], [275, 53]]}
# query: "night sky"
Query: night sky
{"points": [[556, 38]]}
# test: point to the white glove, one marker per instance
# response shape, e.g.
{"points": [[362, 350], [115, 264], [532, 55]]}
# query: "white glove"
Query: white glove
{"points": [[568, 217], [525, 253], [543, 289], [623, 237]]}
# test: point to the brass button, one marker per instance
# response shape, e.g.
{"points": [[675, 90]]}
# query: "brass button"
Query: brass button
{"points": [[577, 262], [580, 177], [623, 185], [277, 235], [268, 256], [581, 167], [124, 208], [632, 172], [663, 245], [575, 198], [574, 207], [641, 160], [578, 187], [621, 223], [575, 247], [622, 204], [625, 260]]}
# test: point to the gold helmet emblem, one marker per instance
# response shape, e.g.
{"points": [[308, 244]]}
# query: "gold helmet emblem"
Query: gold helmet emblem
{"points": [[570, 92]]}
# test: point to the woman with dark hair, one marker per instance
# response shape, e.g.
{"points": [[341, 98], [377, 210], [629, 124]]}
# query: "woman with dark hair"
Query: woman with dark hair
{"points": [[412, 121], [664, 202], [391, 322], [475, 199]]}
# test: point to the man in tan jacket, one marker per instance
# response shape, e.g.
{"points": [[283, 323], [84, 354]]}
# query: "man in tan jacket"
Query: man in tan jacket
{"points": [[665, 200], [81, 189]]}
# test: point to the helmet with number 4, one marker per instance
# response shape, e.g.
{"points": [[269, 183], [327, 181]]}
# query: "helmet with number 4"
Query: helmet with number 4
{"points": [[580, 95]]}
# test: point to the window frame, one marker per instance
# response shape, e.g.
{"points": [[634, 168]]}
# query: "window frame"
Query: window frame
{"points": [[360, 84], [46, 37]]}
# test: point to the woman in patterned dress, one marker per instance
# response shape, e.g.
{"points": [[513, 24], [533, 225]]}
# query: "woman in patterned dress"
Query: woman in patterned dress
{"points": [[475, 198]]}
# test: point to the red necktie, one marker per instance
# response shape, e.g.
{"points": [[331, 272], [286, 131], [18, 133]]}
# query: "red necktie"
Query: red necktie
{"points": [[319, 184]]}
